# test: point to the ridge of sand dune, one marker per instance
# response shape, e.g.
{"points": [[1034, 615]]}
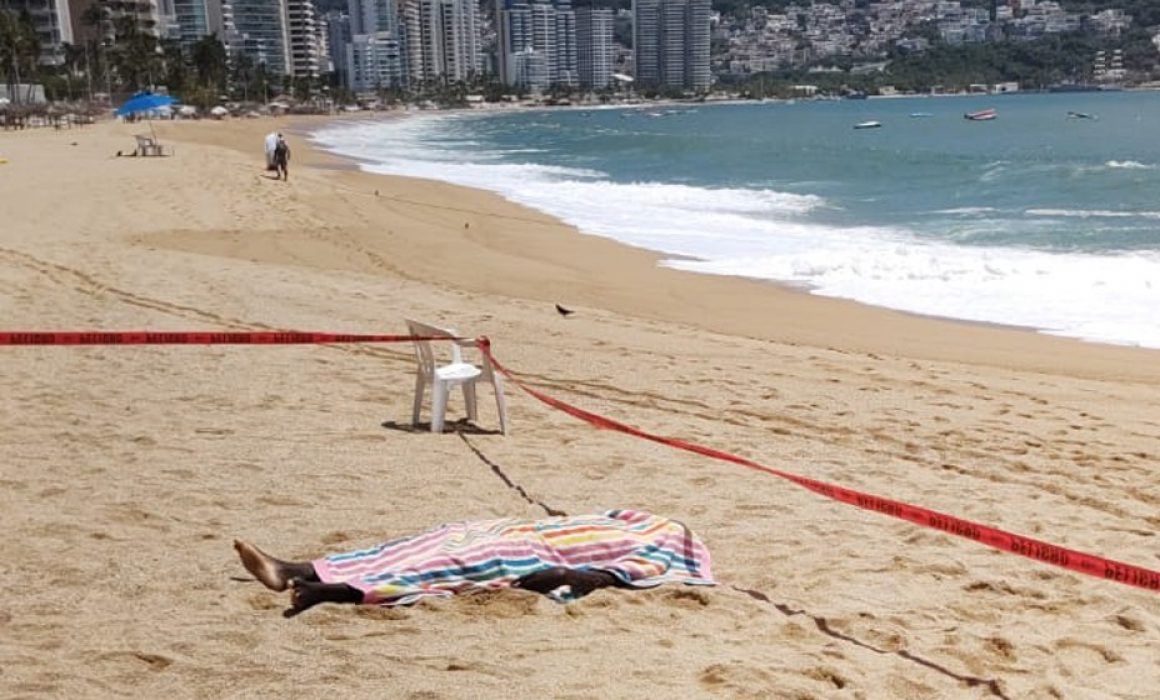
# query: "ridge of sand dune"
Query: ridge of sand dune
{"points": [[126, 472]]}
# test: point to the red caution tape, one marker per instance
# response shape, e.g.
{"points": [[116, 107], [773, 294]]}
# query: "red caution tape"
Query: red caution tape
{"points": [[200, 338], [999, 539]]}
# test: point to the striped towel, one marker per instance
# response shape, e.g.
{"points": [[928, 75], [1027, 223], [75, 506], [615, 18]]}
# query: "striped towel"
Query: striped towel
{"points": [[640, 549]]}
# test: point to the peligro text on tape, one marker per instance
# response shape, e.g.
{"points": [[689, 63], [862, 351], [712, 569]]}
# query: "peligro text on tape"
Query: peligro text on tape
{"points": [[202, 338], [999, 539]]}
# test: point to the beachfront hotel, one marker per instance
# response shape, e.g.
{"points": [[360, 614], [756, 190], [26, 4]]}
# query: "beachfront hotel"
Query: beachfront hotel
{"points": [[442, 39], [304, 38], [594, 46], [52, 24], [537, 44], [671, 43], [543, 44]]}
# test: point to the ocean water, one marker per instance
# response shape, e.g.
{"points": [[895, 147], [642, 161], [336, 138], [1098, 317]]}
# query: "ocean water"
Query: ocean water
{"points": [[1035, 219]]}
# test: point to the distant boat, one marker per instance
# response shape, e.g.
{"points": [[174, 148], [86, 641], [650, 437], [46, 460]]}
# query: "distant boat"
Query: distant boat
{"points": [[868, 125], [983, 115], [1081, 115], [920, 115]]}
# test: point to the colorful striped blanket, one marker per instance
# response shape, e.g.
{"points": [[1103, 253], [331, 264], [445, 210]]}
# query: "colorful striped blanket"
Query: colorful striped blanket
{"points": [[642, 550]]}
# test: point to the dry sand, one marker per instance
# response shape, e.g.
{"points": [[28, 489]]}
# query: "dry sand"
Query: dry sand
{"points": [[125, 472]]}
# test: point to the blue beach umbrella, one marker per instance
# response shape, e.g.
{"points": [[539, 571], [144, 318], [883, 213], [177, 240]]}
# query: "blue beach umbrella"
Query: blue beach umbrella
{"points": [[144, 102]]}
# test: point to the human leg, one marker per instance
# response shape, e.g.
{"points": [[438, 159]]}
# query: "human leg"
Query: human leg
{"points": [[275, 574], [581, 581], [306, 594]]}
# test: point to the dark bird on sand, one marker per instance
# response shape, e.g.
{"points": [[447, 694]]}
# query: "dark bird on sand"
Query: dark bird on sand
{"points": [[564, 312]]}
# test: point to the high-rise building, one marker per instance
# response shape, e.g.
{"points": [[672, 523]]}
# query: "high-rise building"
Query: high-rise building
{"points": [[97, 20], [566, 61], [263, 34], [594, 46], [193, 20], [697, 74], [337, 37], [374, 61], [513, 21], [537, 45], [671, 43], [646, 38], [52, 20], [441, 38], [302, 31], [373, 49], [370, 16], [166, 13]]}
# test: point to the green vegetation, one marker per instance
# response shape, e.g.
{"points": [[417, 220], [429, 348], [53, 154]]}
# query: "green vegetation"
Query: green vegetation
{"points": [[19, 48], [1033, 64]]}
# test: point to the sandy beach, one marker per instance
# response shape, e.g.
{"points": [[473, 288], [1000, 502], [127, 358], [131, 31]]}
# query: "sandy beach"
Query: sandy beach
{"points": [[127, 472]]}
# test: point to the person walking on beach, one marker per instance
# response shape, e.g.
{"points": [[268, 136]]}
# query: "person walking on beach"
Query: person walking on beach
{"points": [[564, 557], [282, 158]]}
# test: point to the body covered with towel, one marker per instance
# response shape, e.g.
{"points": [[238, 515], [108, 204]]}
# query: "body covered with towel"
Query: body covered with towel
{"points": [[640, 549]]}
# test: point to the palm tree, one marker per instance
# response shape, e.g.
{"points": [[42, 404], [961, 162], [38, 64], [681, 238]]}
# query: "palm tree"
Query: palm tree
{"points": [[211, 62], [19, 50], [97, 16], [8, 49]]}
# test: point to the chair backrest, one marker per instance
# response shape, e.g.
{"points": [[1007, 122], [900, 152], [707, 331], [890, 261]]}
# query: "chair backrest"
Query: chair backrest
{"points": [[424, 353], [143, 140]]}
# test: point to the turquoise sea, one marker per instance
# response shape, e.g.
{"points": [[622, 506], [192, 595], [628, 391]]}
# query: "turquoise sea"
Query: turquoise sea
{"points": [[1037, 218]]}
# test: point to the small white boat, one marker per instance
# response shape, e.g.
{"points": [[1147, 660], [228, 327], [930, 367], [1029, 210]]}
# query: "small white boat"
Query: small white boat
{"points": [[984, 115], [868, 125], [920, 115]]}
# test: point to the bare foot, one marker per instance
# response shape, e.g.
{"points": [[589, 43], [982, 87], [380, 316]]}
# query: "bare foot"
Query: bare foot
{"points": [[306, 594], [270, 571]]}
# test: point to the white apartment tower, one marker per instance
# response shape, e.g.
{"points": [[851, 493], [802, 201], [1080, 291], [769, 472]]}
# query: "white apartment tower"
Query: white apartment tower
{"points": [[671, 43], [442, 39], [302, 32], [594, 46], [566, 69], [263, 34], [646, 38], [375, 61], [51, 19], [374, 46], [537, 45], [513, 23]]}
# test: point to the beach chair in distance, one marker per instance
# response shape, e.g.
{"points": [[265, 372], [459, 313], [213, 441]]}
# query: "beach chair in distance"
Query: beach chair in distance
{"points": [[442, 378], [148, 146]]}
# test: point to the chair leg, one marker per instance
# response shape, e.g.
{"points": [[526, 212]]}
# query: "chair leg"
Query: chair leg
{"points": [[419, 387], [500, 403], [438, 405], [469, 399]]}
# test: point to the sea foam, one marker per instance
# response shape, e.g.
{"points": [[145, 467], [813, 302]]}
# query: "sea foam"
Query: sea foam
{"points": [[766, 234]]}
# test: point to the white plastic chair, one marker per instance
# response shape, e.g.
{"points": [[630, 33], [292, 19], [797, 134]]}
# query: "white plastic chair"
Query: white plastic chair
{"points": [[443, 378]]}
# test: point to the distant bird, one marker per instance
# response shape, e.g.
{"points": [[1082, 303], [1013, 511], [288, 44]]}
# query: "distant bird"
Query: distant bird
{"points": [[564, 312]]}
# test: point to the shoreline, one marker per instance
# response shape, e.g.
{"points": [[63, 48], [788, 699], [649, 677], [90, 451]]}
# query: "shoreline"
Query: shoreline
{"points": [[999, 343]]}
